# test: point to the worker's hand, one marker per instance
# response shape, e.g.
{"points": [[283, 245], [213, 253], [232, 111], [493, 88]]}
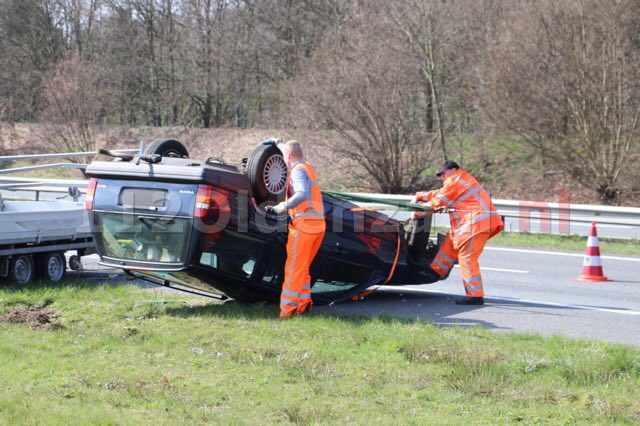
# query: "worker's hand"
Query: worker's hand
{"points": [[278, 208], [444, 210], [418, 215], [422, 196]]}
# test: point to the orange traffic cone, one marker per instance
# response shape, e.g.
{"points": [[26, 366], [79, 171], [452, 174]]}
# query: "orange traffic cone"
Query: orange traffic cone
{"points": [[592, 266]]}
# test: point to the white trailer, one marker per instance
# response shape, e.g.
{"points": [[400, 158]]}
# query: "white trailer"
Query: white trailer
{"points": [[34, 236]]}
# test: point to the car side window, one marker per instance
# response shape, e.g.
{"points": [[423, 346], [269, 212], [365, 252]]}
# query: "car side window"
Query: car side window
{"points": [[232, 254], [273, 274], [334, 276]]}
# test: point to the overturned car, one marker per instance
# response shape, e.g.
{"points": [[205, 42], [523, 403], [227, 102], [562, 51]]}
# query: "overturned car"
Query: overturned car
{"points": [[203, 226]]}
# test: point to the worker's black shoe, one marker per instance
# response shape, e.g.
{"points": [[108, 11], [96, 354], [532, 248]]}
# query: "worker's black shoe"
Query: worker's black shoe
{"points": [[470, 301]]}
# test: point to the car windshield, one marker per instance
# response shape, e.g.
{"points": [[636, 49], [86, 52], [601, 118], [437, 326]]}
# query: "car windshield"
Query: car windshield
{"points": [[142, 238]]}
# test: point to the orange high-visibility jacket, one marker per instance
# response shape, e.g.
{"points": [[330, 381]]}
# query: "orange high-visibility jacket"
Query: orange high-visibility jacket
{"points": [[310, 208], [472, 210]]}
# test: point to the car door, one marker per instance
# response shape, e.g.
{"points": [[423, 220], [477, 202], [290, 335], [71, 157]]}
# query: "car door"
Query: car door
{"points": [[358, 250]]}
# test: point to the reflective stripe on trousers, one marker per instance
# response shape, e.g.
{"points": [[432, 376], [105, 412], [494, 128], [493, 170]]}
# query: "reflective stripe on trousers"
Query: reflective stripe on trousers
{"points": [[467, 254], [302, 248]]}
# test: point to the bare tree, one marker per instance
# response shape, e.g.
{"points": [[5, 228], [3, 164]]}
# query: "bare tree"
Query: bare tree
{"points": [[401, 81], [279, 36], [75, 103], [567, 81], [420, 25], [149, 14], [432, 34], [78, 20], [366, 92], [30, 44], [139, 44], [210, 45]]}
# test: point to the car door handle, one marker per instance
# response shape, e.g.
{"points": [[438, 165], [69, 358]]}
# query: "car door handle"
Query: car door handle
{"points": [[338, 248]]}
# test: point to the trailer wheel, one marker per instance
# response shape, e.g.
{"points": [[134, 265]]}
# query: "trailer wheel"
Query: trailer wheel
{"points": [[167, 148], [53, 266], [267, 173], [22, 269]]}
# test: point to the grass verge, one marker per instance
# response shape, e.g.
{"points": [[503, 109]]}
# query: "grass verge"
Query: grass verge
{"points": [[53, 173], [566, 243], [89, 354]]}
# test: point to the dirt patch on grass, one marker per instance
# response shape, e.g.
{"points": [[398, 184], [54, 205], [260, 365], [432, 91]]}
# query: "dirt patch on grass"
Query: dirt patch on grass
{"points": [[35, 317]]}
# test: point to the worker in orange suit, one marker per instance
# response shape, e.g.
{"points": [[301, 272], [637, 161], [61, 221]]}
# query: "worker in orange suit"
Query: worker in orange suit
{"points": [[474, 220], [306, 230]]}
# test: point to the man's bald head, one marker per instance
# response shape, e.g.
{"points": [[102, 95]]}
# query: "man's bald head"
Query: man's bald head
{"points": [[292, 151]]}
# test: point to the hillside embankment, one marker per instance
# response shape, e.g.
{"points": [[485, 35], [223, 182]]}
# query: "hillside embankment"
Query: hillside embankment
{"points": [[508, 169]]}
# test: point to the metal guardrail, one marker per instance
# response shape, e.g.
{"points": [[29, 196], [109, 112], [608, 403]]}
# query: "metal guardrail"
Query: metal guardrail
{"points": [[74, 188], [608, 215], [550, 218], [57, 155], [584, 213], [31, 157]]}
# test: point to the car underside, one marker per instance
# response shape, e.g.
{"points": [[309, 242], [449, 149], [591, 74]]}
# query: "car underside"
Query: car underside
{"points": [[202, 226]]}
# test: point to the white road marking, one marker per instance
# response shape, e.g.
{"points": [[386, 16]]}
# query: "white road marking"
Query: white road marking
{"points": [[558, 253], [515, 271], [515, 299]]}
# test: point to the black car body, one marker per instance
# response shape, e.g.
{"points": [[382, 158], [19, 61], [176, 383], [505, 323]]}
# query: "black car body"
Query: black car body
{"points": [[201, 225]]}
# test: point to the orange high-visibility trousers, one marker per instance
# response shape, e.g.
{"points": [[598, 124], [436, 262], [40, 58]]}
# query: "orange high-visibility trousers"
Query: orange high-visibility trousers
{"points": [[303, 244], [467, 254]]}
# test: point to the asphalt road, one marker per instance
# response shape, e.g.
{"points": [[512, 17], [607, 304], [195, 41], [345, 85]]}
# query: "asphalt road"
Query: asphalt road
{"points": [[528, 291]]}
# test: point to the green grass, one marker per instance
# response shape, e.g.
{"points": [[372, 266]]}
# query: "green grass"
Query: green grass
{"points": [[575, 243], [123, 355], [54, 173], [566, 243]]}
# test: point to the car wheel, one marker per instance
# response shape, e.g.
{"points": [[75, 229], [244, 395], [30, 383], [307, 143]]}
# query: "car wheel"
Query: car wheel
{"points": [[22, 269], [167, 148], [53, 266], [267, 173]]}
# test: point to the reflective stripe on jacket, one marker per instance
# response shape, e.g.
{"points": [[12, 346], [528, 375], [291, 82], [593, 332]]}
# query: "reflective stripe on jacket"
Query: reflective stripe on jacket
{"points": [[473, 212], [311, 207]]}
